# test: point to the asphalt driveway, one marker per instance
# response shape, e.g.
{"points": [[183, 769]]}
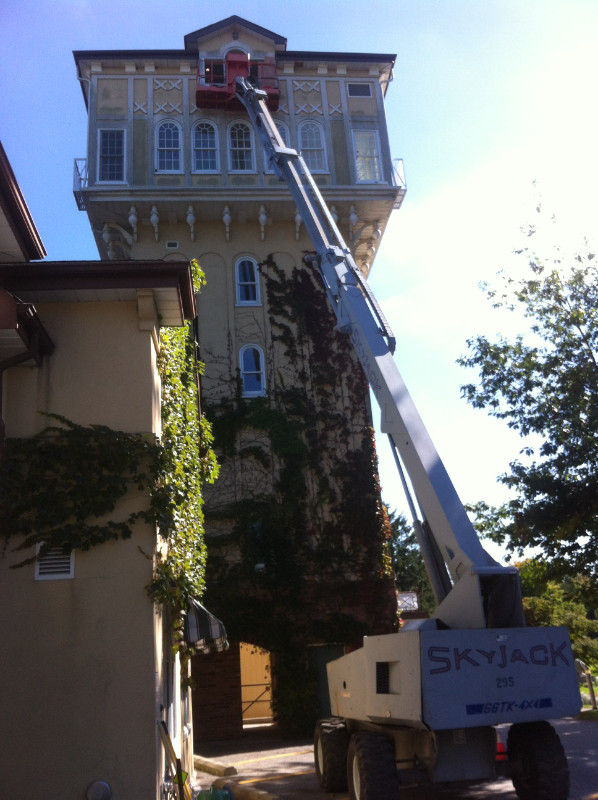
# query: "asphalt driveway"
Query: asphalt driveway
{"points": [[268, 766]]}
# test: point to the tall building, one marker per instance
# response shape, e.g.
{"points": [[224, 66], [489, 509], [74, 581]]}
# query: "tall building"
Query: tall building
{"points": [[296, 532]]}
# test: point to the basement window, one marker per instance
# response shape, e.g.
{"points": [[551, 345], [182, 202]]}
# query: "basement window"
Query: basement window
{"points": [[55, 564]]}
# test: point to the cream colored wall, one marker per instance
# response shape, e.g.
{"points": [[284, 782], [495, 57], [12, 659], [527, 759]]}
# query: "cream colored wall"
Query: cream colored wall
{"points": [[78, 676], [78, 688], [102, 371]]}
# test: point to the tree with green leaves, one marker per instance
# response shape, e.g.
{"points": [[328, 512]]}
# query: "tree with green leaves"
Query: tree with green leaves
{"points": [[544, 383], [548, 602], [408, 564]]}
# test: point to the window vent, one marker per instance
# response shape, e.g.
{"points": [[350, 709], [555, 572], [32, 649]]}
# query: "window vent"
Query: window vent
{"points": [[54, 565], [172, 245], [359, 89], [382, 677]]}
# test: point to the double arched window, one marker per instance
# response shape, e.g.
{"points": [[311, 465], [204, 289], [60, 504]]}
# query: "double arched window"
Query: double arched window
{"points": [[253, 376], [206, 157], [311, 145], [169, 140]]}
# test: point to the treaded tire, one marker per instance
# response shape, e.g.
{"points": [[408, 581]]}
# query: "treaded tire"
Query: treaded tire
{"points": [[331, 742], [538, 764], [371, 768]]}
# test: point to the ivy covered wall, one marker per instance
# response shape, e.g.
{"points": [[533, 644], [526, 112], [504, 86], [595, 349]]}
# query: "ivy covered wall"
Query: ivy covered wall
{"points": [[296, 532]]}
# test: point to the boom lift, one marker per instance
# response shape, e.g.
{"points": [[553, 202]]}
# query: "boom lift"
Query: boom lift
{"points": [[425, 701]]}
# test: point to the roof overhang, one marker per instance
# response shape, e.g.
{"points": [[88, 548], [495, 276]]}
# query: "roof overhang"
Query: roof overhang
{"points": [[105, 281], [19, 238]]}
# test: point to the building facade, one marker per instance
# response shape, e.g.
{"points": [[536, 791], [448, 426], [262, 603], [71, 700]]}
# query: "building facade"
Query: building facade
{"points": [[295, 528], [87, 665]]}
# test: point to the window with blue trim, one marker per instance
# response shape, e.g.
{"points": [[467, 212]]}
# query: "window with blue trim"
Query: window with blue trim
{"points": [[247, 282], [253, 378]]}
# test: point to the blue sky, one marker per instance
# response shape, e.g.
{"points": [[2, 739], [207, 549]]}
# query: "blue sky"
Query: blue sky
{"points": [[488, 96]]}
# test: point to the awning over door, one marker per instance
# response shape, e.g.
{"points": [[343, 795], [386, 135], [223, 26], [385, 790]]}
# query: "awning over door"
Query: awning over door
{"points": [[203, 630]]}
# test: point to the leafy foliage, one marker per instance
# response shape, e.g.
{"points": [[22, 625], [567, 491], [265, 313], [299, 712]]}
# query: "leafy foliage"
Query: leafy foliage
{"points": [[408, 565], [555, 605], [306, 546], [187, 462], [545, 385], [56, 486]]}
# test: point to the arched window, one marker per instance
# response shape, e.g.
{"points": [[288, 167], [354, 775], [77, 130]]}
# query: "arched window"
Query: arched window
{"points": [[240, 148], [168, 147], [205, 148], [311, 145], [247, 281], [253, 377]]}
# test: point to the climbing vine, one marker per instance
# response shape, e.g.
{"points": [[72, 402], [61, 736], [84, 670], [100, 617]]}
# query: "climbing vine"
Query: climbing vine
{"points": [[187, 463], [306, 549], [58, 487]]}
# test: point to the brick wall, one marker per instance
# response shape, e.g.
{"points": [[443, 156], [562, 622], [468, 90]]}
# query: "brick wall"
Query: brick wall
{"points": [[217, 712]]}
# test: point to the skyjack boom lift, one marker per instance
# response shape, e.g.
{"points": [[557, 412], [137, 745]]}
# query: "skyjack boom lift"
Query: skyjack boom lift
{"points": [[426, 699]]}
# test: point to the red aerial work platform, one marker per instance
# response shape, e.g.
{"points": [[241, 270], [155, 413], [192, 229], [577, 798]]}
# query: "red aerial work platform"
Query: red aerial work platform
{"points": [[216, 81]]}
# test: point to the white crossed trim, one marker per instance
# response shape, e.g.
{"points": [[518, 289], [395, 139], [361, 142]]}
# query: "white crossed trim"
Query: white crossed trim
{"points": [[307, 86], [167, 84], [308, 108]]}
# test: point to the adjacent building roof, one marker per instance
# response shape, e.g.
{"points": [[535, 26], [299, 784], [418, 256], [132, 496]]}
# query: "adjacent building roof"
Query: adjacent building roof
{"points": [[19, 239], [105, 281]]}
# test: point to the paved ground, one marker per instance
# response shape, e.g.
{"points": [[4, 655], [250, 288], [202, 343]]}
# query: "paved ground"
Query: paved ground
{"points": [[267, 765]]}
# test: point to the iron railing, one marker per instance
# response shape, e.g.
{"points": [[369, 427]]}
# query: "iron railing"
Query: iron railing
{"points": [[80, 181]]}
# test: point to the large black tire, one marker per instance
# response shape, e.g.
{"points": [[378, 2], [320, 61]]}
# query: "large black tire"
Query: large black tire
{"points": [[331, 742], [537, 762], [371, 768]]}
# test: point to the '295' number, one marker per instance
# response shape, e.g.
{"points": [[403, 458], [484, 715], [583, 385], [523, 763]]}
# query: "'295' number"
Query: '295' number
{"points": [[505, 683]]}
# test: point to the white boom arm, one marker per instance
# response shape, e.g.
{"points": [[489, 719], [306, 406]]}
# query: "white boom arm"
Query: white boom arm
{"points": [[473, 590]]}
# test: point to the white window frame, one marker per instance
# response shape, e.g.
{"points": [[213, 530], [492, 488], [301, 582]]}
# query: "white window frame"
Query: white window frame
{"points": [[283, 130], [261, 372], [309, 150], [365, 158], [357, 83], [122, 180], [55, 565], [239, 283], [178, 149], [250, 149], [215, 150]]}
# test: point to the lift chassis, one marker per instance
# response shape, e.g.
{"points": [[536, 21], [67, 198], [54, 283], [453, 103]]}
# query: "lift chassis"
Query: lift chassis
{"points": [[425, 702]]}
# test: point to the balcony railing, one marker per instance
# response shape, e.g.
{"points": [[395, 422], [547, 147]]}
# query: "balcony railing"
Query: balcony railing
{"points": [[398, 175], [80, 178]]}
